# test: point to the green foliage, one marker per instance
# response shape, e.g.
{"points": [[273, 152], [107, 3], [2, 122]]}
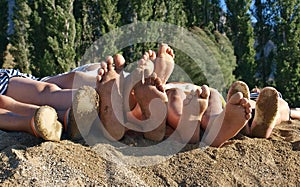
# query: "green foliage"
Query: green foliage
{"points": [[288, 51], [53, 24], [20, 40], [217, 48], [264, 12], [240, 32], [84, 30], [3, 29]]}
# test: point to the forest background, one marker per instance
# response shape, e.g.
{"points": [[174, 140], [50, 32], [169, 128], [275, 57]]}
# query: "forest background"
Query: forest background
{"points": [[256, 41]]}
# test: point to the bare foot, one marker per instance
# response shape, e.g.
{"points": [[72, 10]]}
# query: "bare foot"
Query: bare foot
{"points": [[164, 62], [45, 124], [231, 120], [119, 62], [111, 101], [238, 86], [194, 106], [83, 112], [266, 113], [151, 99]]}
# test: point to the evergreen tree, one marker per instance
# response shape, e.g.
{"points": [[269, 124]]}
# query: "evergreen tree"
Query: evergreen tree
{"points": [[240, 32], [84, 28], [263, 12], [54, 26], [20, 39], [3, 29], [288, 50], [193, 9]]}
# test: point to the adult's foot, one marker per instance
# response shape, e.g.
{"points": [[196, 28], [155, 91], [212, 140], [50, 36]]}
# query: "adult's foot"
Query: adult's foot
{"points": [[193, 108], [45, 125], [164, 62], [119, 62], [232, 119], [151, 98], [83, 112], [111, 101], [266, 113]]}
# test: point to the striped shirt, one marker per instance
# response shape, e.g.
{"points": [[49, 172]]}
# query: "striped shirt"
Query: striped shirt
{"points": [[6, 74]]}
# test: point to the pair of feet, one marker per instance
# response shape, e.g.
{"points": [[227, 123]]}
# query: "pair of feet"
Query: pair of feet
{"points": [[137, 101], [237, 114]]}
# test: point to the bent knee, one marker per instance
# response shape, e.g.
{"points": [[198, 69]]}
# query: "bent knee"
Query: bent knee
{"points": [[49, 88]]}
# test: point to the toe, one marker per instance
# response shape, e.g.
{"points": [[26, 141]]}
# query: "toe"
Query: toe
{"points": [[236, 98], [101, 72], [152, 55], [119, 61], [110, 61], [170, 52], [205, 92], [104, 66]]}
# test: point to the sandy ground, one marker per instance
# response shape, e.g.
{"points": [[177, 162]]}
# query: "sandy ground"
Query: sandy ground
{"points": [[27, 161]]}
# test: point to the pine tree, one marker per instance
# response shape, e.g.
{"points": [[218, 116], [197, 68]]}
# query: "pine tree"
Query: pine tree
{"points": [[288, 50], [240, 32], [20, 38], [3, 29]]}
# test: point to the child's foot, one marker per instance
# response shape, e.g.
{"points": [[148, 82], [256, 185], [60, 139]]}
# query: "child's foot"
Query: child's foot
{"points": [[111, 102], [151, 99], [45, 124], [232, 119], [164, 62], [266, 113], [194, 106], [83, 112]]}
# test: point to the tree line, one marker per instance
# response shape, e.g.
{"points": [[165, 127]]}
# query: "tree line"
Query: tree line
{"points": [[52, 36]]}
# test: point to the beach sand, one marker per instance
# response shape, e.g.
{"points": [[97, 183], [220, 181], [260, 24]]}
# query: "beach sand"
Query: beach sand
{"points": [[243, 161]]}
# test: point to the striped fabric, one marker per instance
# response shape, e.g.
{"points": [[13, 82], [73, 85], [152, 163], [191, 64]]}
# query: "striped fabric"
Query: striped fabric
{"points": [[6, 74]]}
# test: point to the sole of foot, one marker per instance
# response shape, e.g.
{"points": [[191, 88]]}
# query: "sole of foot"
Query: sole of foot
{"points": [[83, 112], [266, 113], [164, 62], [194, 106], [111, 107], [233, 118], [46, 124], [238, 86]]}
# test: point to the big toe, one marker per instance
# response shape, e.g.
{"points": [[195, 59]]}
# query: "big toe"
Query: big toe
{"points": [[236, 98], [205, 92], [119, 61]]}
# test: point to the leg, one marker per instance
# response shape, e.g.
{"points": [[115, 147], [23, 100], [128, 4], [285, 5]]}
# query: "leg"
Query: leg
{"points": [[73, 80], [39, 93], [295, 114], [10, 121], [84, 75], [14, 106], [43, 123]]}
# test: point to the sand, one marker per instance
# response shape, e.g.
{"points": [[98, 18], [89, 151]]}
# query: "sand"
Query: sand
{"points": [[243, 161]]}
